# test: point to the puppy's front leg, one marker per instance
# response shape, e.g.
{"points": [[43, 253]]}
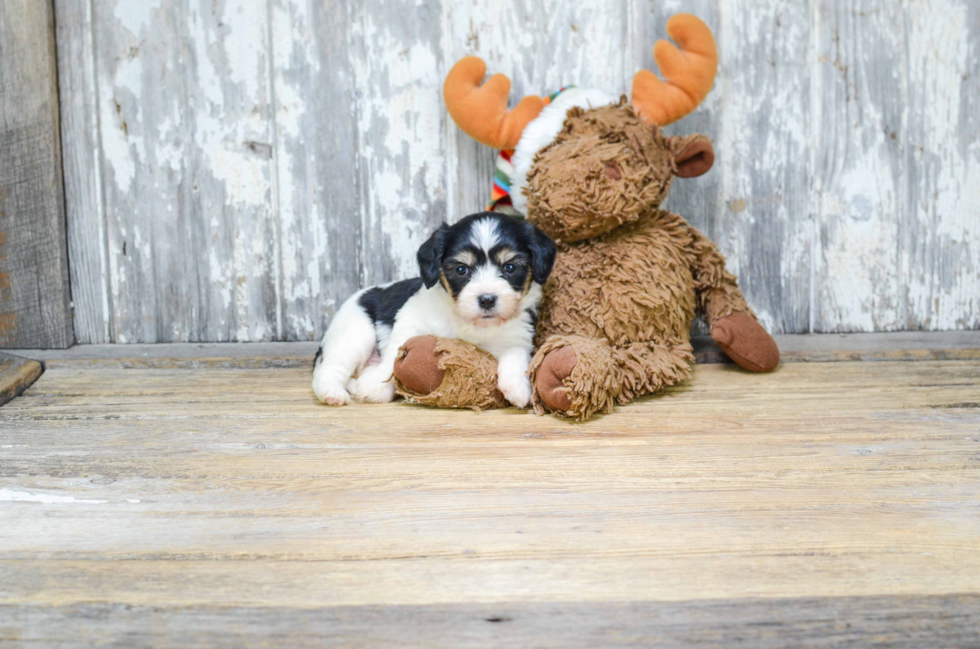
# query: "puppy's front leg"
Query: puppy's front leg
{"points": [[512, 379]]}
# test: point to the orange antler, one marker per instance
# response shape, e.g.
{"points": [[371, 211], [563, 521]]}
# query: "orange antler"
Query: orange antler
{"points": [[690, 72], [481, 111]]}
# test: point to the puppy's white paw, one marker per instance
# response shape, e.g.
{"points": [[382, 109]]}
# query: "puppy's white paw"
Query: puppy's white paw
{"points": [[516, 389], [332, 394], [371, 387], [375, 392]]}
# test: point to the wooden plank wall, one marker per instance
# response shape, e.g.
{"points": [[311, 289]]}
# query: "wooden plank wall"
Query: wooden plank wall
{"points": [[35, 306], [235, 169]]}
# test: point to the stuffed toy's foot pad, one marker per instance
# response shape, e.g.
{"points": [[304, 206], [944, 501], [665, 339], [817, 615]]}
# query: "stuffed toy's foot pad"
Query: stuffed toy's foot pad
{"points": [[417, 367], [744, 340], [551, 375]]}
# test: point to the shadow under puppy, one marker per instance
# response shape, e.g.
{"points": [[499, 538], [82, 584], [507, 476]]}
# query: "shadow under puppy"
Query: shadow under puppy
{"points": [[480, 283]]}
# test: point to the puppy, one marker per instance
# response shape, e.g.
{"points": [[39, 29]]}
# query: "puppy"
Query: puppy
{"points": [[480, 282]]}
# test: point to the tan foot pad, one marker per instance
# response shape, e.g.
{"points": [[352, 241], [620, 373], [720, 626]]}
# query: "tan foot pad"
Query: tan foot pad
{"points": [[555, 368]]}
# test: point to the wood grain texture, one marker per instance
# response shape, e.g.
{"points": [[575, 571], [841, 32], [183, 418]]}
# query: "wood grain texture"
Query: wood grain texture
{"points": [[940, 247], [82, 163], [842, 193], [861, 171], [402, 127], [186, 126], [35, 300], [317, 162], [765, 623], [823, 501]]}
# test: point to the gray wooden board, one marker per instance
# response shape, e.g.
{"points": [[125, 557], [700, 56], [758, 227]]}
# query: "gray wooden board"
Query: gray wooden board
{"points": [[81, 159], [316, 155], [898, 346], [186, 129], [256, 162], [34, 295], [892, 621]]}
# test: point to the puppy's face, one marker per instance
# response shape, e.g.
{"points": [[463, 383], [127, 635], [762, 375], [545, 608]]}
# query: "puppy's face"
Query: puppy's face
{"points": [[487, 263]]}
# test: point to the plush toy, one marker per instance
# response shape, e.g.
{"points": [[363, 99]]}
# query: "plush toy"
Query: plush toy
{"points": [[591, 170]]}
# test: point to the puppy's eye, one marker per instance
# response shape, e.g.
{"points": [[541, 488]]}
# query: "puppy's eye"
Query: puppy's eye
{"points": [[509, 268], [461, 270]]}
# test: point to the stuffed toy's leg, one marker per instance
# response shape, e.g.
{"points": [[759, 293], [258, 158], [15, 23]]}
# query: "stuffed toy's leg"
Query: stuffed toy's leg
{"points": [[650, 367], [447, 373], [731, 322], [575, 377]]}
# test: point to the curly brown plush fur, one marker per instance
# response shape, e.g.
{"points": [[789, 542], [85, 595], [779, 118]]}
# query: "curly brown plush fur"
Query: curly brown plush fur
{"points": [[629, 278]]}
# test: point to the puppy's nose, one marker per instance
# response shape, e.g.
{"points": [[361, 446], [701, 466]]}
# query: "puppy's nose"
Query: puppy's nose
{"points": [[487, 301]]}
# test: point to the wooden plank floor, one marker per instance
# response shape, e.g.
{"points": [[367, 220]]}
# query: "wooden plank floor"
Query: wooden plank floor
{"points": [[217, 504]]}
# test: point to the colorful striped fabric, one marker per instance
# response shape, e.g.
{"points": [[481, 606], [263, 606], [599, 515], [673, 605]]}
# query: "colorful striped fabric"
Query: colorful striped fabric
{"points": [[500, 193]]}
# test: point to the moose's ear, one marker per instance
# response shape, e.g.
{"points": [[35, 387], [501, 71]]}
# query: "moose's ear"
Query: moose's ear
{"points": [[543, 253], [430, 256], [694, 156]]}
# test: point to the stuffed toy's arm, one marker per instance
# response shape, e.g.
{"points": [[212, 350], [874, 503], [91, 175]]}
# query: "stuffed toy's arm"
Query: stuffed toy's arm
{"points": [[724, 309], [447, 373]]}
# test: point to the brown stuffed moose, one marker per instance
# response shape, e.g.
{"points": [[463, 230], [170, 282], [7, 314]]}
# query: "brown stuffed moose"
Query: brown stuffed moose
{"points": [[591, 170]]}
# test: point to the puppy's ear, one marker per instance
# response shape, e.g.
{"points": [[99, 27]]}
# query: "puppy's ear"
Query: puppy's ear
{"points": [[430, 256], [542, 252]]}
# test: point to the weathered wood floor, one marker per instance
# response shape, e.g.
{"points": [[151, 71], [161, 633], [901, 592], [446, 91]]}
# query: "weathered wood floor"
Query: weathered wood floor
{"points": [[215, 503]]}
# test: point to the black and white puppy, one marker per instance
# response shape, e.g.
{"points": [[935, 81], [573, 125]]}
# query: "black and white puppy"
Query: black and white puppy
{"points": [[481, 282]]}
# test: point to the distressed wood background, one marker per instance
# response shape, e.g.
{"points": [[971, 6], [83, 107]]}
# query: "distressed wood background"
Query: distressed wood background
{"points": [[234, 169]]}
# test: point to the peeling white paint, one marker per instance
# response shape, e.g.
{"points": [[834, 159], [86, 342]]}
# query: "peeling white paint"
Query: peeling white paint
{"points": [[302, 224], [245, 44], [400, 113], [845, 135], [944, 267], [135, 15]]}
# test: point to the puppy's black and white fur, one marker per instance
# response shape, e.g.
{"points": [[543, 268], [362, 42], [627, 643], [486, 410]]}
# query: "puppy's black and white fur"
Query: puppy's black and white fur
{"points": [[480, 282]]}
